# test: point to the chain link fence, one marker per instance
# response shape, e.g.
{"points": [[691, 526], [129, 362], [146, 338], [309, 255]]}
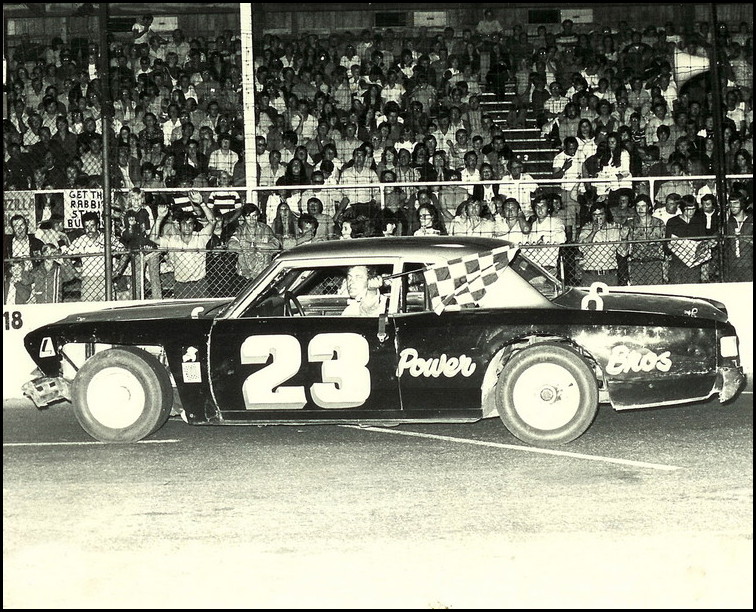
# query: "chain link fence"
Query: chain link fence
{"points": [[217, 271]]}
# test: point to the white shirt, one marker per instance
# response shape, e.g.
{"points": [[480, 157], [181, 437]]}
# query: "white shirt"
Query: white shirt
{"points": [[550, 230], [355, 307], [573, 172], [522, 190]]}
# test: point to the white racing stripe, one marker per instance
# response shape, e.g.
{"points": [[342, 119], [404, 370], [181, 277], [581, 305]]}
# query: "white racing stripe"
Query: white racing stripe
{"points": [[527, 449], [83, 443]]}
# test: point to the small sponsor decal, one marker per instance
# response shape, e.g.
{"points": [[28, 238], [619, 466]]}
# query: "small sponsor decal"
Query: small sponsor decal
{"points": [[192, 372], [410, 361], [624, 359], [47, 348]]}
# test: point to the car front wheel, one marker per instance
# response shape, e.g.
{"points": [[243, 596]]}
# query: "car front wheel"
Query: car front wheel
{"points": [[122, 395], [547, 395]]}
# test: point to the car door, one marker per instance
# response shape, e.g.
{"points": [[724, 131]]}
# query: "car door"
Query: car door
{"points": [[313, 368], [440, 358]]}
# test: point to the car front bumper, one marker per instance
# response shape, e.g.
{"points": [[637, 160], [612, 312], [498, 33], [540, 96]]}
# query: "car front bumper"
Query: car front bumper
{"points": [[46, 390]]}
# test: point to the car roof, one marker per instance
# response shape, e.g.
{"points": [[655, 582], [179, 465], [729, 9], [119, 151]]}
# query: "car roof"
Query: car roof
{"points": [[418, 248]]}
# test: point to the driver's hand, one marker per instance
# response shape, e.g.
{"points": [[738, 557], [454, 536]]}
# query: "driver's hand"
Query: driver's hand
{"points": [[375, 283]]}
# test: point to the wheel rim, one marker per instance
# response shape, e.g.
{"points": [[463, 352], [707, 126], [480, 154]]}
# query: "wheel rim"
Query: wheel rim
{"points": [[546, 396], [115, 398]]}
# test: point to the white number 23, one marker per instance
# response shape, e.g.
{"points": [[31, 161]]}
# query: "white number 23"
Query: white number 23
{"points": [[346, 380]]}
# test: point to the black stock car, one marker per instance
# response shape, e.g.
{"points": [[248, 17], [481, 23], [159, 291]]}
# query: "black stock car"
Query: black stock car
{"points": [[539, 355]]}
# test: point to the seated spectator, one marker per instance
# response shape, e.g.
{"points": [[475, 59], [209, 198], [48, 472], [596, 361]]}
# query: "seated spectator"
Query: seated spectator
{"points": [[485, 193], [489, 24], [473, 219], [509, 222], [429, 222], [679, 186], [223, 158]]}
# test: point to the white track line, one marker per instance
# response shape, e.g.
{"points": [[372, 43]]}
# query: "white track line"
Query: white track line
{"points": [[527, 449], [82, 443]]}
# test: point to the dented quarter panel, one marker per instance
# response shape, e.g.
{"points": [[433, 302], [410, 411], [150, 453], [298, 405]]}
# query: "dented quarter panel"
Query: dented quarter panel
{"points": [[653, 364]]}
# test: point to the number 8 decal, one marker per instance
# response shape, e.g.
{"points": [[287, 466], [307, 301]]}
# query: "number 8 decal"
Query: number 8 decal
{"points": [[346, 380]]}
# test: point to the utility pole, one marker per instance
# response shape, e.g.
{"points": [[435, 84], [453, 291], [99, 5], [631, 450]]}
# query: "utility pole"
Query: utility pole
{"points": [[104, 71], [719, 156]]}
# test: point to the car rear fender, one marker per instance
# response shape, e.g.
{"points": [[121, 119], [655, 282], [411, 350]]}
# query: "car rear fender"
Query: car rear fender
{"points": [[505, 353]]}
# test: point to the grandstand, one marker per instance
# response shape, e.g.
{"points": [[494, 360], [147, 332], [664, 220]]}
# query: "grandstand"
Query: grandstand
{"points": [[181, 89]]}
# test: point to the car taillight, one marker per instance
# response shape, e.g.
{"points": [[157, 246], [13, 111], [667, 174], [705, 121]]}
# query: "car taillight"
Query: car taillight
{"points": [[728, 346]]}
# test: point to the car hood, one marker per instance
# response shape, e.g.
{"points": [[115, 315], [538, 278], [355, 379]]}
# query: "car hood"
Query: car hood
{"points": [[170, 309], [701, 308]]}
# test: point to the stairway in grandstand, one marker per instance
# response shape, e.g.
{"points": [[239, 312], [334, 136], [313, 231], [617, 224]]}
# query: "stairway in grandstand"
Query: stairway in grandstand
{"points": [[536, 153]]}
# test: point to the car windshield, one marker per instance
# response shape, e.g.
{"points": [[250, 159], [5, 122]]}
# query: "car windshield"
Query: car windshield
{"points": [[547, 285]]}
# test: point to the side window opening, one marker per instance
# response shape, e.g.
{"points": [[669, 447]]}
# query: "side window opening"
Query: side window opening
{"points": [[414, 297]]}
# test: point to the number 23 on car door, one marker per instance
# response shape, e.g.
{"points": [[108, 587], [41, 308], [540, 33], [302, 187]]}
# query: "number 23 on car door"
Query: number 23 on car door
{"points": [[303, 368]]}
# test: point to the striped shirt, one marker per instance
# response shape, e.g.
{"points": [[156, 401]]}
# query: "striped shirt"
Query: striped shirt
{"points": [[224, 201]]}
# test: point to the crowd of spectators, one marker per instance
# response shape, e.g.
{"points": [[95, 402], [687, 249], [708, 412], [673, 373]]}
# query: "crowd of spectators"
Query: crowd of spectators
{"points": [[384, 107]]}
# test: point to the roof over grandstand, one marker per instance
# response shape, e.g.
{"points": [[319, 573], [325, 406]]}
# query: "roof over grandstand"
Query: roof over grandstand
{"points": [[75, 9]]}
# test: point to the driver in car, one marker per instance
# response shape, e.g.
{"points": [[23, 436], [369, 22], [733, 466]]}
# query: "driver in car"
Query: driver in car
{"points": [[365, 298]]}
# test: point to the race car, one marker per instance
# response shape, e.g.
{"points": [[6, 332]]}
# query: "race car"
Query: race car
{"points": [[463, 329]]}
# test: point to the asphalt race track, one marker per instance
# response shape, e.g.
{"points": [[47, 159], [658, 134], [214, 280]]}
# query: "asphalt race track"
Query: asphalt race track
{"points": [[652, 508]]}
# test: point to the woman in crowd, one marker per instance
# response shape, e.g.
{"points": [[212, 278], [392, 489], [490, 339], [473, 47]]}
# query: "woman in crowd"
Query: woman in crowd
{"points": [[428, 218], [285, 226]]}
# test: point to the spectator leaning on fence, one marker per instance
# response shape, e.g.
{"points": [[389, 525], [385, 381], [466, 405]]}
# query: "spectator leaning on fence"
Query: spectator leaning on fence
{"points": [[255, 242], [687, 249], [20, 244], [738, 240], [46, 280], [646, 257], [599, 263]]}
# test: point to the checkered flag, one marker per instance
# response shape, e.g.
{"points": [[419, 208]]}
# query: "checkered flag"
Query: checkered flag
{"points": [[464, 280]]}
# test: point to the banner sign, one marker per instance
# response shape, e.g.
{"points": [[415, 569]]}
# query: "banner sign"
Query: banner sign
{"points": [[19, 203], [76, 202]]}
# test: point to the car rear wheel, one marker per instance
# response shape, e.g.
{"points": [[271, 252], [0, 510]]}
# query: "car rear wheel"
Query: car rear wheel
{"points": [[122, 395], [547, 395]]}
